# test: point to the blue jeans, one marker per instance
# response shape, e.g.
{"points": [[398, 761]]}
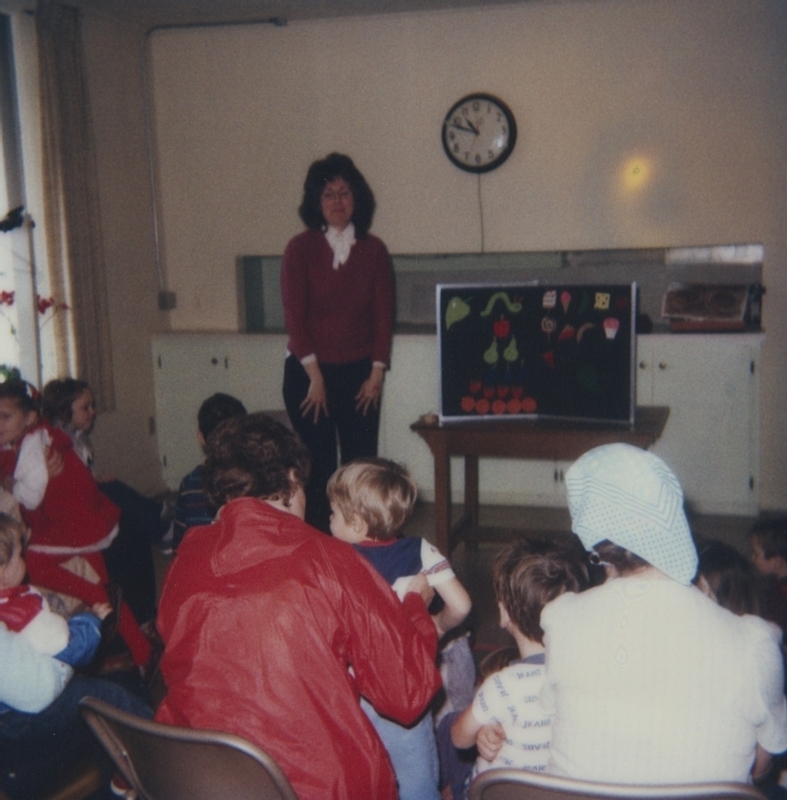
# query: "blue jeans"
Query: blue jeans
{"points": [[36, 748], [413, 753]]}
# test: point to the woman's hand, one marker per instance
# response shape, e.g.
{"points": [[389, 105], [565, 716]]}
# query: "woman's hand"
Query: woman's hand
{"points": [[489, 740], [316, 400], [371, 391]]}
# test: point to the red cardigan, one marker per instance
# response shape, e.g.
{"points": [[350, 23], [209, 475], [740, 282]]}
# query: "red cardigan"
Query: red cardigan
{"points": [[343, 314], [74, 512], [262, 617]]}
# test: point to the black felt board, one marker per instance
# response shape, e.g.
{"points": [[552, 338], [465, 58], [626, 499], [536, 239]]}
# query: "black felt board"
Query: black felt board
{"points": [[545, 350]]}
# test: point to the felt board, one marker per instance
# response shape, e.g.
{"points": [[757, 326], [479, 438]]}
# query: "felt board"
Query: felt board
{"points": [[537, 350]]}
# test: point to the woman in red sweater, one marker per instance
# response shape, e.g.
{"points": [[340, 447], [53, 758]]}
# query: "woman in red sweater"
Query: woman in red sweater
{"points": [[337, 291]]}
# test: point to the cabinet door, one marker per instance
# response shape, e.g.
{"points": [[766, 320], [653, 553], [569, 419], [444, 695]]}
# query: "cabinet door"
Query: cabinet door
{"points": [[711, 440], [186, 370], [189, 368]]}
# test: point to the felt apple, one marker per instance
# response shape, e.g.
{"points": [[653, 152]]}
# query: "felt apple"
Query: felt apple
{"points": [[475, 387], [467, 403], [499, 407], [514, 406], [501, 328], [502, 390], [482, 406]]}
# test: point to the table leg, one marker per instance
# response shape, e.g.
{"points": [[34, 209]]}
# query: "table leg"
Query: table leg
{"points": [[471, 490], [442, 499]]}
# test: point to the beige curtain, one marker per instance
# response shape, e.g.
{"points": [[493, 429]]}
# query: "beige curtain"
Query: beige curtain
{"points": [[72, 212]]}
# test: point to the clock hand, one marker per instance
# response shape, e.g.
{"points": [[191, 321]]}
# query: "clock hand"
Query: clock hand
{"points": [[470, 129]]}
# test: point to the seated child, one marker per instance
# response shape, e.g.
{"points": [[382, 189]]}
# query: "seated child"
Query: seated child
{"points": [[729, 578], [733, 582], [26, 612], [193, 507], [66, 512], [68, 404], [456, 765], [371, 500], [505, 720], [768, 542]]}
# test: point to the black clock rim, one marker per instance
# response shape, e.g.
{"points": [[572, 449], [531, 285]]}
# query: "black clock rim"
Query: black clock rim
{"points": [[512, 133]]}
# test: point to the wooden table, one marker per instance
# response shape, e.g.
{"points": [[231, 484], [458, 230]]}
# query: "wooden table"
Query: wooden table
{"points": [[557, 440]]}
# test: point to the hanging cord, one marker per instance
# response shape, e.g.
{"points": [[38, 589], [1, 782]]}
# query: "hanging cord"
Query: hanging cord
{"points": [[480, 210]]}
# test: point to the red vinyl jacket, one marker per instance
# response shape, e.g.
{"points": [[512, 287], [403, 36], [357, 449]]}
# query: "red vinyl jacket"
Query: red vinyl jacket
{"points": [[263, 617]]}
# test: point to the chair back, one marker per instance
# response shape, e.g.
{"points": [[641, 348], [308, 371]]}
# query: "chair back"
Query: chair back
{"points": [[519, 784], [164, 762]]}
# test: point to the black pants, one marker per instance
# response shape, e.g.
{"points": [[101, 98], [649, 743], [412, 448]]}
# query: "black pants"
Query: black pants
{"points": [[129, 558], [356, 432]]}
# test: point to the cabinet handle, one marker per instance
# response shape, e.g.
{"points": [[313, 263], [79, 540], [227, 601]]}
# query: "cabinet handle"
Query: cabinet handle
{"points": [[555, 475], [214, 361], [662, 365], [643, 364], [226, 362]]}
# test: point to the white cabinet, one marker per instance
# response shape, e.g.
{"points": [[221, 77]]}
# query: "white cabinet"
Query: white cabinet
{"points": [[189, 367], [711, 383]]}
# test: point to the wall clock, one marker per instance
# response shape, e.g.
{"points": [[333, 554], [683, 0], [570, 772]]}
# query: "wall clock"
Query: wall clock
{"points": [[479, 133]]}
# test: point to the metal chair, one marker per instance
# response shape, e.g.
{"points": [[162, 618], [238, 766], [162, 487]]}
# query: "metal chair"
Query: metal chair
{"points": [[164, 762], [519, 784]]}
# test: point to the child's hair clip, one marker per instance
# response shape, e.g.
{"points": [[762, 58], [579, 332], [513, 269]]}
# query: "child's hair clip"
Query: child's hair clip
{"points": [[596, 560], [9, 373]]}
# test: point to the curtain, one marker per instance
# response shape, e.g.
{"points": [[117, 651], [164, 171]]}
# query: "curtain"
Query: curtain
{"points": [[71, 202]]}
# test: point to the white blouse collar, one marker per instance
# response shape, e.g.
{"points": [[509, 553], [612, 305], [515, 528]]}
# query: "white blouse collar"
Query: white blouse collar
{"points": [[341, 243]]}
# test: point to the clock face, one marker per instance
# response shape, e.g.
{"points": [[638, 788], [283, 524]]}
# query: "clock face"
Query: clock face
{"points": [[479, 133]]}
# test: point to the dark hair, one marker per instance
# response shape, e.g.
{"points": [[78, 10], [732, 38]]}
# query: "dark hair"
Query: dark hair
{"points": [[733, 578], [215, 410], [324, 171], [496, 660], [252, 456], [771, 534], [624, 561], [12, 533], [25, 394], [58, 398], [530, 573]]}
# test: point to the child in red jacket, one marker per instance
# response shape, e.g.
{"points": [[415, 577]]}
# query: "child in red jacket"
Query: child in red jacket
{"points": [[61, 503]]}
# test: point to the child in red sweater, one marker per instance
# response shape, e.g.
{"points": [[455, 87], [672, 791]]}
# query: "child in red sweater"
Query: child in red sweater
{"points": [[61, 503]]}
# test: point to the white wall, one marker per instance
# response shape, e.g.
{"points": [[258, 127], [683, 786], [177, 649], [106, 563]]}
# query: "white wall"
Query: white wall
{"points": [[694, 89]]}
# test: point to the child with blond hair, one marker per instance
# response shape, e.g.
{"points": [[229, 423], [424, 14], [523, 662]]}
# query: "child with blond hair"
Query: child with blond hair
{"points": [[371, 500], [25, 611]]}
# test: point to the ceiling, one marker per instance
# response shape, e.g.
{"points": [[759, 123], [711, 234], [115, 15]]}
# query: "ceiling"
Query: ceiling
{"points": [[156, 13]]}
